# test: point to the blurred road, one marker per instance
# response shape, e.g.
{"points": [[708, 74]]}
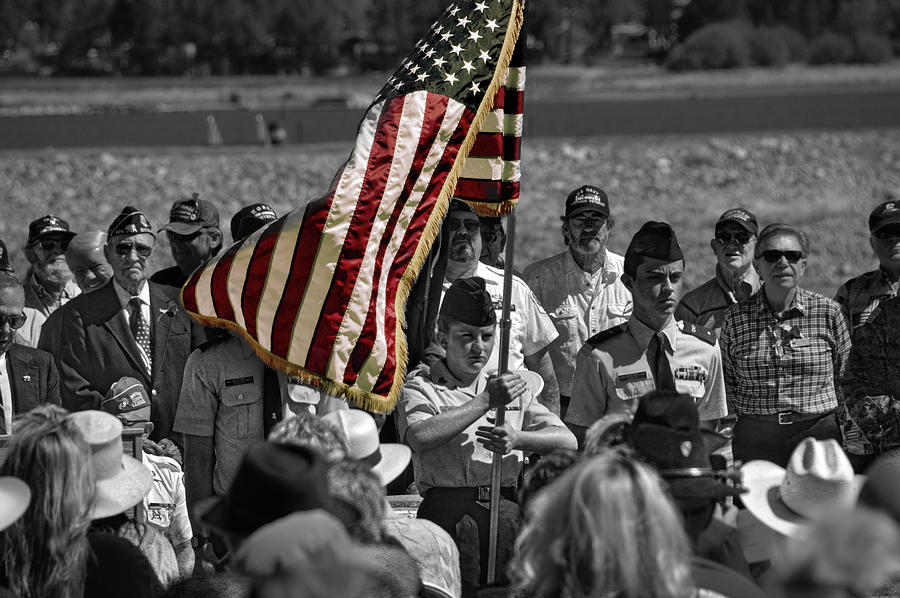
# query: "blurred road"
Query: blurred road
{"points": [[647, 114]]}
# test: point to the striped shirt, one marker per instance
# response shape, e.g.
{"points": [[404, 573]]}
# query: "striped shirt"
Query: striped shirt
{"points": [[790, 363], [858, 297]]}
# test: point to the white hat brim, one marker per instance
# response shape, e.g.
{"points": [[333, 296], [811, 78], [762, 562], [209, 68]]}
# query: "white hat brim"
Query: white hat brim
{"points": [[15, 496], [122, 491], [394, 460], [763, 498], [533, 380]]}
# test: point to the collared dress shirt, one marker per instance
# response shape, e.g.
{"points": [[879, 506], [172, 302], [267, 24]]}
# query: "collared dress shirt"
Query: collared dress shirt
{"points": [[6, 394], [124, 299], [38, 298], [792, 363], [580, 303], [612, 371], [859, 296]]}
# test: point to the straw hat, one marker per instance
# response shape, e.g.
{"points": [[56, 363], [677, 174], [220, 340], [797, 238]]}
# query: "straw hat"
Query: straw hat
{"points": [[387, 461], [15, 495], [818, 482], [122, 481]]}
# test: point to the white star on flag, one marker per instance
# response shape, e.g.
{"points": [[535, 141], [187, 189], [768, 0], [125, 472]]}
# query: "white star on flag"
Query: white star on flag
{"points": [[480, 7], [492, 24], [456, 49], [474, 35], [450, 78]]}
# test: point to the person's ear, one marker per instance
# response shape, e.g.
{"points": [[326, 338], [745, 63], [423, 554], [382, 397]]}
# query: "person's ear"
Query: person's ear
{"points": [[30, 254], [215, 236], [107, 253], [628, 281], [713, 244]]}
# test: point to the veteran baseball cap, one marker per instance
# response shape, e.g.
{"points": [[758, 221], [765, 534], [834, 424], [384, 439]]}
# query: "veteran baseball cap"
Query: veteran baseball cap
{"points": [[587, 198], [127, 399], [250, 219], [190, 215], [48, 225], [655, 240], [739, 216], [130, 221], [5, 266], [885, 213], [468, 301]]}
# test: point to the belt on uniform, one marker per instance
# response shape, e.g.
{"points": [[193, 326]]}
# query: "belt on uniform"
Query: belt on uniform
{"points": [[784, 418], [476, 493]]}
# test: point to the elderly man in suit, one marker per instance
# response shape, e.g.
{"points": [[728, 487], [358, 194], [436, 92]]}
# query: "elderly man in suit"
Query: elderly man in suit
{"points": [[28, 376], [130, 327]]}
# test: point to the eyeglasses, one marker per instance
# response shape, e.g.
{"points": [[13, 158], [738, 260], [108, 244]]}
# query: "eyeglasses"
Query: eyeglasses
{"points": [[472, 226], [15, 322], [582, 221], [177, 238], [124, 249], [888, 232], [50, 244], [773, 256], [741, 238]]}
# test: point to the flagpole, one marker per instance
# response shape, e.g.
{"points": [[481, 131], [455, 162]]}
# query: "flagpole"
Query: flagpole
{"points": [[500, 416]]}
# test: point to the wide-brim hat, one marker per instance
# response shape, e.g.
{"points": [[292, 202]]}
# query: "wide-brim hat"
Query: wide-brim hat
{"points": [[386, 460], [15, 496], [817, 483]]}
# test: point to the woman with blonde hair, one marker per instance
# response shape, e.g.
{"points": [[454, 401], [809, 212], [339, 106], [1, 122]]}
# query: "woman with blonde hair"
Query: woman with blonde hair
{"points": [[605, 529]]}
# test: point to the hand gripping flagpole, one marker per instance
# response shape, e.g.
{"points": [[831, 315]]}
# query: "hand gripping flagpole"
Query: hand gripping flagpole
{"points": [[497, 463]]}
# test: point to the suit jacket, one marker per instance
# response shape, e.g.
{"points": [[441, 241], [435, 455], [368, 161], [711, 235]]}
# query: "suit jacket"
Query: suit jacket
{"points": [[97, 349], [33, 378]]}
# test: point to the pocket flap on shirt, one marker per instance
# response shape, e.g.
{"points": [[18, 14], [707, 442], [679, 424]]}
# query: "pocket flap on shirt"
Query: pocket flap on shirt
{"points": [[244, 394]]}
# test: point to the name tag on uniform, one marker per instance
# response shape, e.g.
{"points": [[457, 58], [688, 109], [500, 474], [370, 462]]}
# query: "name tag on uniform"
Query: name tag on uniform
{"points": [[692, 372], [632, 377], [239, 381], [797, 343]]}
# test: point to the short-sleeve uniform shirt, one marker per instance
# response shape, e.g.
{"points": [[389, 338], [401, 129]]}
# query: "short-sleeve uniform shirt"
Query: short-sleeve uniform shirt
{"points": [[532, 329], [612, 371], [462, 462], [166, 504]]}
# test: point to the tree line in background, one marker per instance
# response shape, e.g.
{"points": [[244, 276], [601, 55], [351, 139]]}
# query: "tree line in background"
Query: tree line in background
{"points": [[206, 37]]}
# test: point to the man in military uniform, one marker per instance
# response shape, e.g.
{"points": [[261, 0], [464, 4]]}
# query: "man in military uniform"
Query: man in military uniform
{"points": [[194, 236], [859, 296], [444, 412], [651, 350], [581, 288], [735, 280]]}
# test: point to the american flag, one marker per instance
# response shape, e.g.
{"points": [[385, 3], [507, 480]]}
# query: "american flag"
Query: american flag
{"points": [[320, 292]]}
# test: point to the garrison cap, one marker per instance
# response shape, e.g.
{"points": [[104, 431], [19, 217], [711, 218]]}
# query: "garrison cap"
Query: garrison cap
{"points": [[655, 240], [468, 301], [130, 221]]}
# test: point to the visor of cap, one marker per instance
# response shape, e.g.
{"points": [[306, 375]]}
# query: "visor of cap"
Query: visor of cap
{"points": [[183, 228]]}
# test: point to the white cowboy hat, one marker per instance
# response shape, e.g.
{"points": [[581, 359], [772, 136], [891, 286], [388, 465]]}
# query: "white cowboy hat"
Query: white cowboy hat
{"points": [[359, 430], [15, 496], [818, 482], [122, 481]]}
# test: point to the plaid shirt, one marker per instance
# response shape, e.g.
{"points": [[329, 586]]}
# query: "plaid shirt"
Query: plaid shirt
{"points": [[858, 297], [792, 363]]}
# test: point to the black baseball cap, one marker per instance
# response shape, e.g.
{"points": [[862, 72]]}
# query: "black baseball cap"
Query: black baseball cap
{"points": [[48, 225]]}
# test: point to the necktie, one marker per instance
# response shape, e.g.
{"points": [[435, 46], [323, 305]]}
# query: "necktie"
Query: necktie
{"points": [[140, 329], [662, 373], [272, 409]]}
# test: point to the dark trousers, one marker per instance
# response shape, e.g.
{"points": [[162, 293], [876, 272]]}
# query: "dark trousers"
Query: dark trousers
{"points": [[771, 441], [447, 507]]}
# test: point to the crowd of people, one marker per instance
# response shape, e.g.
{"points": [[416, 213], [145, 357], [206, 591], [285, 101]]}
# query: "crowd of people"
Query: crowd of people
{"points": [[735, 440]]}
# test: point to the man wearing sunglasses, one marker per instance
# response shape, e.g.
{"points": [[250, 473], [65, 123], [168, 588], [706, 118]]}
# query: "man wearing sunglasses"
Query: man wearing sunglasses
{"points": [[129, 327], [859, 296], [194, 236], [50, 282], [735, 280], [28, 377], [581, 288]]}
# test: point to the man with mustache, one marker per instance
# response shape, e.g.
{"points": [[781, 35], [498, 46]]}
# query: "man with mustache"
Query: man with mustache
{"points": [[736, 280], [581, 288], [50, 283], [652, 350], [532, 331], [28, 376]]}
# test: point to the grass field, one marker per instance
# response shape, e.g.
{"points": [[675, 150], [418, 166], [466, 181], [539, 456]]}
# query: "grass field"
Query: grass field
{"points": [[824, 182]]}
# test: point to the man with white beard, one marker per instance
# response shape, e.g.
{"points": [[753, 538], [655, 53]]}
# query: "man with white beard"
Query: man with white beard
{"points": [[50, 283]]}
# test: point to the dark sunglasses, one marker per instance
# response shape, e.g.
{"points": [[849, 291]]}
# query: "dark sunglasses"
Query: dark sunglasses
{"points": [[15, 322], [50, 244], [888, 232], [126, 249], [472, 226], [773, 256], [178, 238], [741, 238]]}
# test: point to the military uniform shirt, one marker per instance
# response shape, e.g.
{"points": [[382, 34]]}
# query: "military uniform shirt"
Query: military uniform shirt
{"points": [[580, 304], [706, 305], [612, 371], [532, 329], [462, 462], [858, 297], [166, 503]]}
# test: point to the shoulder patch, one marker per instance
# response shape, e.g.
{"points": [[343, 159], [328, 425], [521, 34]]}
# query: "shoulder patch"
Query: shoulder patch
{"points": [[701, 332], [605, 335]]}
